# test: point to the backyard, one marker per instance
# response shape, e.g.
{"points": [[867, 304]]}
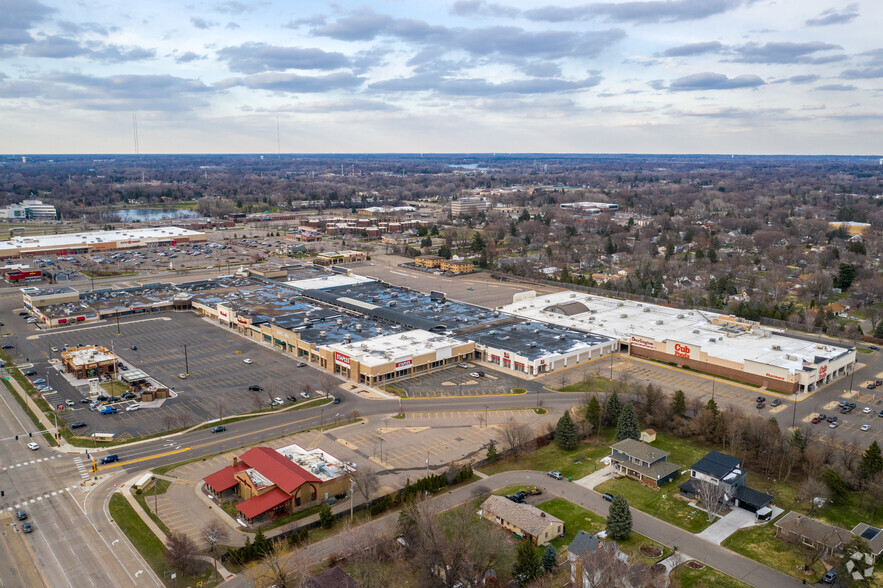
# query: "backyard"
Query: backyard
{"points": [[575, 464]]}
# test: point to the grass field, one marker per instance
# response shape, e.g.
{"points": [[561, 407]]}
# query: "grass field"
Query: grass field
{"points": [[761, 544], [574, 464], [661, 504], [707, 577]]}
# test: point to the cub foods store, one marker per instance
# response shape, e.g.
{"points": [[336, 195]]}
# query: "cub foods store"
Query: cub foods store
{"points": [[387, 358]]}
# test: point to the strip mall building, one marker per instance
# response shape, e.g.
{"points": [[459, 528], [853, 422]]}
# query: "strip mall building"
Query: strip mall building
{"points": [[77, 243], [717, 344]]}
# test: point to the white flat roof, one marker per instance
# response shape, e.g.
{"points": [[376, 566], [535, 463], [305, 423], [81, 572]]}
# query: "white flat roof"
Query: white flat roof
{"points": [[330, 281], [320, 463], [624, 318], [394, 347], [88, 356], [92, 238]]}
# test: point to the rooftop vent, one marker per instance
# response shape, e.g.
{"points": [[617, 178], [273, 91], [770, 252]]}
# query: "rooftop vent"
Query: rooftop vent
{"points": [[623, 316], [646, 309]]}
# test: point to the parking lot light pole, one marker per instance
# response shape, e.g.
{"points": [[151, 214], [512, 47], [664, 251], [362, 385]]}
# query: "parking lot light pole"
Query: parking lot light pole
{"points": [[186, 363]]}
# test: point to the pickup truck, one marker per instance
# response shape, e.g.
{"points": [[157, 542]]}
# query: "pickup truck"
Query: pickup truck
{"points": [[108, 410]]}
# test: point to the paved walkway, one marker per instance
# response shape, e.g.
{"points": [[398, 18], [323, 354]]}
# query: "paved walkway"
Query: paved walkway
{"points": [[728, 562], [589, 482]]}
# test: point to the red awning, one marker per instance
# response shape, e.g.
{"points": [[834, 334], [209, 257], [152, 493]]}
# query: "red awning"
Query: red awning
{"points": [[258, 505], [223, 479]]}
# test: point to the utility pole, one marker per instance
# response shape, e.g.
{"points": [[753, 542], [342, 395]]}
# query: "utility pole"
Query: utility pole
{"points": [[118, 324], [351, 499]]}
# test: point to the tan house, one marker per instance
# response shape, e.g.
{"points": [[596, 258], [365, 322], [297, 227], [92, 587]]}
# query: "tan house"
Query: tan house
{"points": [[431, 261], [457, 266], [812, 533], [524, 520], [642, 462]]}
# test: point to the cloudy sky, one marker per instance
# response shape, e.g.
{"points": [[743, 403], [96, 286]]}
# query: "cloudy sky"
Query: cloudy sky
{"points": [[647, 76]]}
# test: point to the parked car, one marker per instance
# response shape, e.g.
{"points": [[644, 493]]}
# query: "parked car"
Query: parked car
{"points": [[761, 400], [132, 407], [30, 373], [462, 365], [21, 515], [128, 396], [248, 361], [102, 398], [815, 420], [554, 474], [255, 388], [822, 416], [867, 410], [291, 398], [336, 400], [301, 364], [873, 348], [134, 348], [85, 401], [39, 381], [871, 386], [33, 446], [833, 425], [108, 410], [776, 402], [70, 402], [607, 496], [830, 577], [761, 405], [77, 425], [219, 429], [27, 528], [832, 419], [476, 374], [8, 346], [182, 376], [304, 395], [866, 427]]}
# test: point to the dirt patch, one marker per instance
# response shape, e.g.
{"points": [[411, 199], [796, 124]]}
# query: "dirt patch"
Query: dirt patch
{"points": [[650, 551], [695, 565]]}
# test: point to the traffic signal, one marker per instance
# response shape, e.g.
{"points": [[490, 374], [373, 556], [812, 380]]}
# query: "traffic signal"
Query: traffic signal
{"points": [[2, 493], [16, 437], [30, 434]]}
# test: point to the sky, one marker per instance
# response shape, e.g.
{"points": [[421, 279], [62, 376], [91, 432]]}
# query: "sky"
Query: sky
{"points": [[431, 76]]}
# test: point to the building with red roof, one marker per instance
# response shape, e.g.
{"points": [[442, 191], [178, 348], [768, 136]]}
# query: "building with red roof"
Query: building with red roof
{"points": [[272, 483]]}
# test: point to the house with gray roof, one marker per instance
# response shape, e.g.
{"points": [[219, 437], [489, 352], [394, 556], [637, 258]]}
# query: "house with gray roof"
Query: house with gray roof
{"points": [[802, 529], [726, 471], [524, 520], [642, 462], [872, 535]]}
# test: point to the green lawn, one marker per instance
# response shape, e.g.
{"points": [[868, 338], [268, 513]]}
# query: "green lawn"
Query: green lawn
{"points": [[551, 457], [687, 577], [762, 545], [662, 504], [161, 486], [598, 385], [576, 518], [864, 350]]}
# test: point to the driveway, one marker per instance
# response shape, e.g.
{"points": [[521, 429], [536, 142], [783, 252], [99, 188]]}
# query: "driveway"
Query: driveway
{"points": [[727, 525], [589, 482]]}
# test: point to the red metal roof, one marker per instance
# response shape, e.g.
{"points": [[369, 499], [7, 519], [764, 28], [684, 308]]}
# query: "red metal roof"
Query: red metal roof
{"points": [[223, 479], [280, 470], [260, 504]]}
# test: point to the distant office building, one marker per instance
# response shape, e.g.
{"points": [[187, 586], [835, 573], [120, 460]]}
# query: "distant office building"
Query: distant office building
{"points": [[469, 205], [29, 210]]}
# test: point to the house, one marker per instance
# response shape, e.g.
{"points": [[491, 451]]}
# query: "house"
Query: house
{"points": [[721, 469], [872, 535], [814, 534], [273, 482], [582, 545], [642, 462], [332, 578], [524, 520]]}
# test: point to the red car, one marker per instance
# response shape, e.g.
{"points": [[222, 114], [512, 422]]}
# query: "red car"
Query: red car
{"points": [[815, 420]]}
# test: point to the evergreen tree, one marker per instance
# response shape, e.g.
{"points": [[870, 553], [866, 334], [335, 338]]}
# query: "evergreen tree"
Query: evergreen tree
{"points": [[679, 404], [477, 242], [492, 454], [593, 412], [872, 462], [549, 560], [565, 432], [878, 330], [619, 519], [836, 485], [444, 252], [627, 425], [326, 517], [845, 276], [712, 255], [711, 405], [614, 407], [527, 563]]}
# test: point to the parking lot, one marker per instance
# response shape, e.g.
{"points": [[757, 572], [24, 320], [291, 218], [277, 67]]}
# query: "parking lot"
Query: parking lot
{"points": [[456, 381], [215, 359]]}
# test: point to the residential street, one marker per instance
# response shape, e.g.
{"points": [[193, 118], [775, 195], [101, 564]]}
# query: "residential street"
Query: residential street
{"points": [[730, 563]]}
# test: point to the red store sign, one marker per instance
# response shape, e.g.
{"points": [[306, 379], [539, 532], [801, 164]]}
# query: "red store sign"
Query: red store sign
{"points": [[341, 358], [682, 350], [403, 364]]}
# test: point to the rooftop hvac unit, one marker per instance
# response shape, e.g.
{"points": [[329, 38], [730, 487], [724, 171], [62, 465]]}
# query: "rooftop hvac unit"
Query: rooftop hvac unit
{"points": [[695, 331], [339, 321], [532, 344], [658, 322], [359, 327], [364, 347], [680, 316], [536, 330], [712, 340], [623, 316], [496, 313], [512, 328], [322, 333], [378, 330], [591, 318], [777, 348], [646, 309], [347, 336], [573, 296]]}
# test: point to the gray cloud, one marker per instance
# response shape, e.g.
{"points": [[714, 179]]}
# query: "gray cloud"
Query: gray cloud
{"points": [[188, 57], [541, 69], [81, 28], [201, 23], [786, 52], [232, 26], [482, 8], [866, 73], [17, 17], [732, 112], [354, 105], [481, 87], [252, 58], [638, 12], [802, 79], [365, 25], [234, 7], [58, 47], [836, 88], [312, 21], [693, 49], [714, 81], [123, 92], [832, 16], [288, 82], [55, 47]]}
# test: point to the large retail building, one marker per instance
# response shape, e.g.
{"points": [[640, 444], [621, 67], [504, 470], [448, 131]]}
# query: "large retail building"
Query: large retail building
{"points": [[76, 243], [717, 344]]}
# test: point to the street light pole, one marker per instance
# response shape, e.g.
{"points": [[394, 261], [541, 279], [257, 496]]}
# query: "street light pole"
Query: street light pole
{"points": [[118, 324], [186, 363]]}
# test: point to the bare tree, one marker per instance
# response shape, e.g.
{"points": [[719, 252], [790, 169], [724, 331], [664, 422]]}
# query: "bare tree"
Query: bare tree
{"points": [[181, 553], [279, 568], [169, 421], [365, 479], [329, 384], [606, 568], [813, 490], [713, 496], [215, 533], [515, 435]]}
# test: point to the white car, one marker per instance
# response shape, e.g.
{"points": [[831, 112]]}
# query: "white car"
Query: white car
{"points": [[248, 361], [867, 410], [55, 350], [33, 446], [866, 427], [304, 394], [278, 400], [69, 402], [132, 407]]}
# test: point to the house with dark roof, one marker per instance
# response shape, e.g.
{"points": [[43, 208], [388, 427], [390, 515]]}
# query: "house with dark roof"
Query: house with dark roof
{"points": [[332, 578], [802, 529], [724, 470], [272, 483], [524, 520], [872, 535], [642, 462]]}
